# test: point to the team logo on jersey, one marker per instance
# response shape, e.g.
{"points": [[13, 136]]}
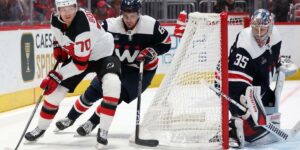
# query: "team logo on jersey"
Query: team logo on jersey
{"points": [[27, 57], [110, 66], [263, 60], [126, 55]]}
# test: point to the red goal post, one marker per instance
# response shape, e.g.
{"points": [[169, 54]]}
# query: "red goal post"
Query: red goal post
{"points": [[185, 113]]}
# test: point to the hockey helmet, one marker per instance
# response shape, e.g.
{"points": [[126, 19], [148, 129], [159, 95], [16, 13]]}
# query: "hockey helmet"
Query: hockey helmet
{"points": [[131, 5], [63, 3], [261, 24]]}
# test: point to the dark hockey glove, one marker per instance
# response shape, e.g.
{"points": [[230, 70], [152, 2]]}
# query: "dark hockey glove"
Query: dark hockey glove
{"points": [[59, 54], [150, 58], [50, 83]]}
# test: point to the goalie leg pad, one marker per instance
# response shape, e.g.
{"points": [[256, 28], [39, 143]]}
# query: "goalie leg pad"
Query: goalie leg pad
{"points": [[275, 119], [237, 132], [255, 106]]}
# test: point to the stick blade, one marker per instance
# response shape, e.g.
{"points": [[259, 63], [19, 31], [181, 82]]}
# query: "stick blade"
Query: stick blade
{"points": [[150, 142]]}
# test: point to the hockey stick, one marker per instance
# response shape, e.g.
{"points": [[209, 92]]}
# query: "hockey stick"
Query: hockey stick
{"points": [[33, 112], [138, 141], [270, 126]]}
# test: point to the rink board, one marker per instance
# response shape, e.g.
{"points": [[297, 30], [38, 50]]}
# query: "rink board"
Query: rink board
{"points": [[26, 57]]}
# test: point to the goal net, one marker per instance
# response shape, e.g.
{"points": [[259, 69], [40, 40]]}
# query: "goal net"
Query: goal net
{"points": [[184, 111]]}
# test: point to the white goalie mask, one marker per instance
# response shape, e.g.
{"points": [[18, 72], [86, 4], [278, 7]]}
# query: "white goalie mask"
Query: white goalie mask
{"points": [[262, 25]]}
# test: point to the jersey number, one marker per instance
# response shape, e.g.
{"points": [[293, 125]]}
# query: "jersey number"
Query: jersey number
{"points": [[85, 45], [161, 30], [241, 61]]}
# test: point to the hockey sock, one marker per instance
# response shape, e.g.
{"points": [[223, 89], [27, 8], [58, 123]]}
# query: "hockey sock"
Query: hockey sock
{"points": [[46, 115], [95, 118], [81, 105], [106, 111]]}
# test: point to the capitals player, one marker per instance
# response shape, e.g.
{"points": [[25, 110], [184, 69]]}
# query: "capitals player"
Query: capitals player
{"points": [[136, 37], [254, 59], [89, 48]]}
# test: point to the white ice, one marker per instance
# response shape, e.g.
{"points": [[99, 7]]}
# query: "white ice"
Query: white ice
{"points": [[12, 124]]}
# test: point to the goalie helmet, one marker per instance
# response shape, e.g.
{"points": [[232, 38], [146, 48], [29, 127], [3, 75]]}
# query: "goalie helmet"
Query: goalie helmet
{"points": [[131, 5], [261, 24], [64, 3]]}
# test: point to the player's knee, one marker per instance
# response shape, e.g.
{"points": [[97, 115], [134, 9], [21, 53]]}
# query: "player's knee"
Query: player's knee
{"points": [[57, 96], [111, 85]]}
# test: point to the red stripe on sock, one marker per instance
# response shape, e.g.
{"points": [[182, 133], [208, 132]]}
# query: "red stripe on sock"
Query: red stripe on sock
{"points": [[111, 99], [105, 111], [46, 116], [48, 105], [80, 107]]}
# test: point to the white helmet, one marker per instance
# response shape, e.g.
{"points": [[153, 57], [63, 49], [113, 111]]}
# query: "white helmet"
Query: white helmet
{"points": [[64, 3]]}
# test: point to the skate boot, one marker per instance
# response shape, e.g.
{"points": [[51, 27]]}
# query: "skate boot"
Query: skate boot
{"points": [[34, 134], [101, 138], [64, 123], [86, 128]]}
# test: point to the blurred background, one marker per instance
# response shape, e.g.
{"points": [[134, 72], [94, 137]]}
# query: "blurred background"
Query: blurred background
{"points": [[35, 12]]}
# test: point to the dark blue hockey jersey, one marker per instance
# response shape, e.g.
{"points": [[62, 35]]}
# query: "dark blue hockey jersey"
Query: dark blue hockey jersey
{"points": [[251, 65], [128, 44]]}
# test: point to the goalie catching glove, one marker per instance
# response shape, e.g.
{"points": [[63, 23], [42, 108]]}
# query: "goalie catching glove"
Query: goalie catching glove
{"points": [[58, 53], [149, 56], [50, 83]]}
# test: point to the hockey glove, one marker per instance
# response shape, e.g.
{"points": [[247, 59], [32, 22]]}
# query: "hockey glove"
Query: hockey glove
{"points": [[59, 54], [50, 83], [150, 58]]}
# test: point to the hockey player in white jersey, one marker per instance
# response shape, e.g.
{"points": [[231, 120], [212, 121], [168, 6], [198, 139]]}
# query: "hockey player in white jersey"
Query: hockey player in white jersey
{"points": [[83, 47], [253, 61], [136, 37]]}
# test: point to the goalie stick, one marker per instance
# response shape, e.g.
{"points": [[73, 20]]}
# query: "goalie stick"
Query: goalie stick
{"points": [[33, 112], [138, 141], [270, 126]]}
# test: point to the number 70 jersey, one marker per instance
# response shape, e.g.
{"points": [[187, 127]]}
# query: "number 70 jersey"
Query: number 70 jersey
{"points": [[84, 39]]}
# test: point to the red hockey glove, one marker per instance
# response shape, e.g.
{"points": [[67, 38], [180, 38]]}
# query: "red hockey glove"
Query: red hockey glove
{"points": [[150, 58], [59, 54], [50, 83]]}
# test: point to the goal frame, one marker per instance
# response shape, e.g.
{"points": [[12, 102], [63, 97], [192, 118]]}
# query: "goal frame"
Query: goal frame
{"points": [[224, 67]]}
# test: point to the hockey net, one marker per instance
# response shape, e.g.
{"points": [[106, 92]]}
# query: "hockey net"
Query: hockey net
{"points": [[184, 111]]}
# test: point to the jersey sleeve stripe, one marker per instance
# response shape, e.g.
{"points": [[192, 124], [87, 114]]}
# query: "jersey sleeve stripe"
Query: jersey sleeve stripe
{"points": [[236, 76], [167, 40]]}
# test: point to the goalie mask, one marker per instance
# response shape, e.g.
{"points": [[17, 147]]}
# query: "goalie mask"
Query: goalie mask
{"points": [[262, 25]]}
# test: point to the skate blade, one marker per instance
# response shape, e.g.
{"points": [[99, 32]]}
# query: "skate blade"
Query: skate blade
{"points": [[80, 136], [56, 130], [26, 142], [100, 146]]}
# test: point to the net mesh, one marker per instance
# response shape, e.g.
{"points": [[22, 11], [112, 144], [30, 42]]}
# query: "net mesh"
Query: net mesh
{"points": [[184, 111]]}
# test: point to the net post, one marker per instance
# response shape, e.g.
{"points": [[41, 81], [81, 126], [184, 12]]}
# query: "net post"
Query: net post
{"points": [[246, 21], [224, 77]]}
